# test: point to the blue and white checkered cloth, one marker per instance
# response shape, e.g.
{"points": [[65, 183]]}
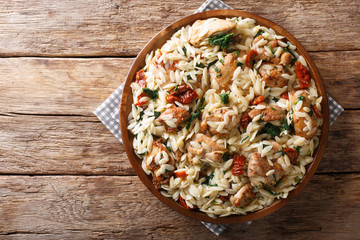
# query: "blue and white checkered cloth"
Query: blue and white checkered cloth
{"points": [[108, 111]]}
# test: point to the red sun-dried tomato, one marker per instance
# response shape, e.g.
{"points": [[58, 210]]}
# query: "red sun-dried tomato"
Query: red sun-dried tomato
{"points": [[181, 174], [238, 164], [292, 154], [224, 198], [258, 100], [183, 203], [183, 94], [303, 75], [245, 120], [249, 58], [140, 78], [285, 95], [141, 103], [316, 111]]}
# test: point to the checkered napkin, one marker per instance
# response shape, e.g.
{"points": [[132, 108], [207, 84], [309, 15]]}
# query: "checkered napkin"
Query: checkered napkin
{"points": [[108, 111]]}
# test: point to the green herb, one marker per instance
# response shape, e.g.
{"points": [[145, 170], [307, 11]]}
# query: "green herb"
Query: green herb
{"points": [[265, 145], [275, 67], [272, 51], [222, 61], [237, 53], [176, 89], [168, 148], [212, 63], [301, 98], [200, 65], [210, 185], [153, 94], [239, 64], [260, 32], [298, 149], [208, 178], [297, 180], [223, 40], [215, 68], [225, 98], [311, 112], [209, 113], [273, 108], [269, 190], [136, 136], [156, 114], [282, 152], [271, 129], [188, 77], [196, 114], [288, 127], [219, 75], [184, 50], [244, 139], [167, 170], [278, 182], [275, 99], [274, 176], [141, 115], [226, 156]]}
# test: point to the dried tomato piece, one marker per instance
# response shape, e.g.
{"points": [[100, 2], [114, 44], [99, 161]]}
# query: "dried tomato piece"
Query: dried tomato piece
{"points": [[292, 154], [183, 203], [238, 164], [140, 78], [303, 75], [141, 103], [316, 111], [285, 95], [183, 94], [245, 120], [249, 58], [181, 174], [224, 198], [258, 100]]}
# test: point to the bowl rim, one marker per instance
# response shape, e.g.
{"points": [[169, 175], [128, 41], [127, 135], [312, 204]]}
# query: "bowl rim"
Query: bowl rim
{"points": [[126, 100]]}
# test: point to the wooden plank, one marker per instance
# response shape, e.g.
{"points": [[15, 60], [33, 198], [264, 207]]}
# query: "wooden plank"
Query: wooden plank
{"points": [[78, 86], [118, 28], [54, 207], [83, 145], [59, 145]]}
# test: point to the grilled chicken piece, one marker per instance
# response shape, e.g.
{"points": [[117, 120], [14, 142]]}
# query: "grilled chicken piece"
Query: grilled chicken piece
{"points": [[216, 117], [285, 58], [172, 117], [258, 167], [203, 146], [243, 197], [203, 29], [270, 113], [300, 126], [271, 75], [154, 166], [223, 73]]}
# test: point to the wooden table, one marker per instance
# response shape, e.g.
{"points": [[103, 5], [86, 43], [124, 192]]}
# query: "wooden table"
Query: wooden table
{"points": [[64, 175]]}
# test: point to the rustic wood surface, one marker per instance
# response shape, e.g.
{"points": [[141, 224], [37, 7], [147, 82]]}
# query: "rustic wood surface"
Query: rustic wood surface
{"points": [[64, 176]]}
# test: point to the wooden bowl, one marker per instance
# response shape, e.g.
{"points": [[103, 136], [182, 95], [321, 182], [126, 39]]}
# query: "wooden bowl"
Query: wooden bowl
{"points": [[127, 100]]}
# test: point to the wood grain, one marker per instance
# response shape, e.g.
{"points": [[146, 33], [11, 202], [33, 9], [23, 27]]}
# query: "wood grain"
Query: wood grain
{"points": [[54, 207], [83, 145], [121, 28], [78, 86]]}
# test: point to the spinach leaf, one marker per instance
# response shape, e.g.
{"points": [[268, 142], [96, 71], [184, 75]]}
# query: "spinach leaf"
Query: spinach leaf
{"points": [[223, 40], [225, 98], [153, 94]]}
